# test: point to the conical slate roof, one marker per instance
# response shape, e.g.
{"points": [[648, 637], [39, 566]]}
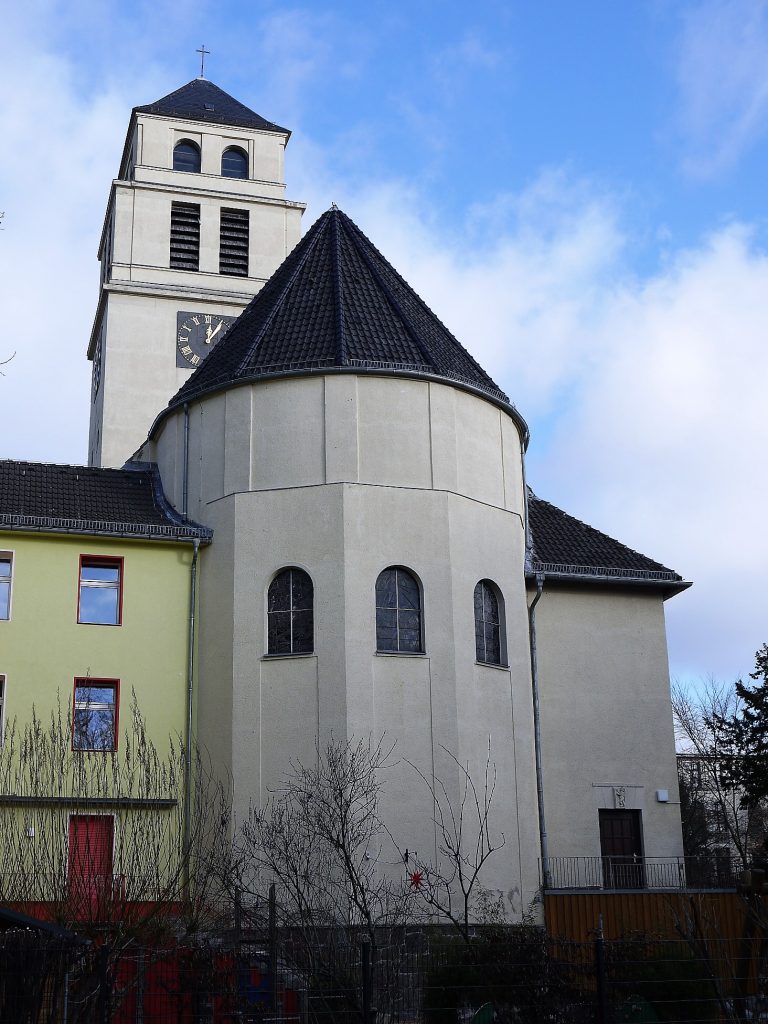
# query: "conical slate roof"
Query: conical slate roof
{"points": [[201, 100], [336, 304]]}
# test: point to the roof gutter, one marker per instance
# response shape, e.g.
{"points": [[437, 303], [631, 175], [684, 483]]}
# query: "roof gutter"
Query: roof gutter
{"points": [[104, 528], [668, 588]]}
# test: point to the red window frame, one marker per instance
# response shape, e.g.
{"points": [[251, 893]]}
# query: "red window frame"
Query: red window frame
{"points": [[90, 681], [109, 560]]}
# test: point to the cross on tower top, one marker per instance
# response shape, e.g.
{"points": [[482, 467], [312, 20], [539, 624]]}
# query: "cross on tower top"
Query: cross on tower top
{"points": [[202, 51]]}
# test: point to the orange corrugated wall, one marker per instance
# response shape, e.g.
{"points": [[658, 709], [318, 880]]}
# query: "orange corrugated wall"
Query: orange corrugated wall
{"points": [[574, 916]]}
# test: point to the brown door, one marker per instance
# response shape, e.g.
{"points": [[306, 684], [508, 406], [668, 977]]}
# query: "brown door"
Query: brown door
{"points": [[90, 863], [621, 850]]}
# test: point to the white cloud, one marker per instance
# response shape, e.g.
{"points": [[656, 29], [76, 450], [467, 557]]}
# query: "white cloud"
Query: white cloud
{"points": [[58, 157], [722, 71], [468, 56], [646, 396], [664, 445]]}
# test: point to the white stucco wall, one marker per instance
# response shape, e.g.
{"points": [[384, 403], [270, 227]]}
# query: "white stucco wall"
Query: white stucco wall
{"points": [[141, 295], [344, 476], [606, 717]]}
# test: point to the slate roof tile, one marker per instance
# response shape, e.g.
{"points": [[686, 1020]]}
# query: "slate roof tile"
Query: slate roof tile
{"points": [[564, 545], [201, 100], [336, 302], [130, 502], [36, 495]]}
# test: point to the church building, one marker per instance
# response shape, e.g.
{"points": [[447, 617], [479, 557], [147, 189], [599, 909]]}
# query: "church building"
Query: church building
{"points": [[372, 559]]}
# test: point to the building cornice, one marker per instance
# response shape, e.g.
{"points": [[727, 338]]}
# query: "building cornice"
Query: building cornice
{"points": [[152, 288], [207, 193], [104, 528], [76, 799], [208, 125]]}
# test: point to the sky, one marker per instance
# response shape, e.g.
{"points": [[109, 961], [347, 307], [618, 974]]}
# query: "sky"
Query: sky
{"points": [[576, 189]]}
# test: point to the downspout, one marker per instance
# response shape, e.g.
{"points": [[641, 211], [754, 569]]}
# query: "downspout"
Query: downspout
{"points": [[190, 709], [543, 839], [185, 467], [537, 731]]}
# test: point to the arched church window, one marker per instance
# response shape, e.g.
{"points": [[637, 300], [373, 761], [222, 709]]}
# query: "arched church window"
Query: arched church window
{"points": [[234, 163], [398, 612], [290, 618], [489, 638], [186, 157]]}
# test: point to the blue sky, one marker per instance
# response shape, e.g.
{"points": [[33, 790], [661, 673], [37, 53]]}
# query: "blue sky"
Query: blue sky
{"points": [[578, 190]]}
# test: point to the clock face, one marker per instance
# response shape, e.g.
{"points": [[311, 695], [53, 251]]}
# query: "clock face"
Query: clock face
{"points": [[197, 333], [96, 381]]}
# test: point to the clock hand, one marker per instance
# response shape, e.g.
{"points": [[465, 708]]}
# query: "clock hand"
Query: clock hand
{"points": [[212, 334]]}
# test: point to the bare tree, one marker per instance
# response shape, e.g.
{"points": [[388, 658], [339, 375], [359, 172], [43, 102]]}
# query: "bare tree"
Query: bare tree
{"points": [[451, 887], [716, 818], [714, 813], [315, 840], [149, 881]]}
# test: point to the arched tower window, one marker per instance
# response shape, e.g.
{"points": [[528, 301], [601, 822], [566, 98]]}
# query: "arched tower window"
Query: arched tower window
{"points": [[186, 157], [489, 638], [234, 163], [398, 612], [290, 618]]}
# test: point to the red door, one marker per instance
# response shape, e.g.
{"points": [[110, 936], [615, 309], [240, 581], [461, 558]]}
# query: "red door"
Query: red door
{"points": [[89, 872]]}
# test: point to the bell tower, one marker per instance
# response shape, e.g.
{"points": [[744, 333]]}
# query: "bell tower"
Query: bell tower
{"points": [[196, 222]]}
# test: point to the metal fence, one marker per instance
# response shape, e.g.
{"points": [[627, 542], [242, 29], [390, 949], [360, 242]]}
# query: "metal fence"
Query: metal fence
{"points": [[612, 873], [508, 975]]}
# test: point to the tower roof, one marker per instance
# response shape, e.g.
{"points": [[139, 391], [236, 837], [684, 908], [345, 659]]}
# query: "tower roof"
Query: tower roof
{"points": [[201, 100], [336, 304]]}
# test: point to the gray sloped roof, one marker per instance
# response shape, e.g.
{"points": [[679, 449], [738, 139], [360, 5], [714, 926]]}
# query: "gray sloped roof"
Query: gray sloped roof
{"points": [[201, 100], [336, 304], [563, 546], [85, 499]]}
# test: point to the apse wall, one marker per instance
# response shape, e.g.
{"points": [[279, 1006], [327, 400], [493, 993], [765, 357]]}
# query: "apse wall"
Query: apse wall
{"points": [[343, 476]]}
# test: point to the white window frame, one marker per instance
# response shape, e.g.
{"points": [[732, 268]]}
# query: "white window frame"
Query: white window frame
{"points": [[9, 581], [105, 561]]}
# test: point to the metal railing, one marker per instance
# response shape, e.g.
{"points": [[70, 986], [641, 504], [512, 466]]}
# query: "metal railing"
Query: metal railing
{"points": [[613, 873]]}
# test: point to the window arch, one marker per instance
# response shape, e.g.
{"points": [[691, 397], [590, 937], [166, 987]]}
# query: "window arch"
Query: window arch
{"points": [[290, 616], [398, 612], [186, 157], [489, 624], [234, 163]]}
